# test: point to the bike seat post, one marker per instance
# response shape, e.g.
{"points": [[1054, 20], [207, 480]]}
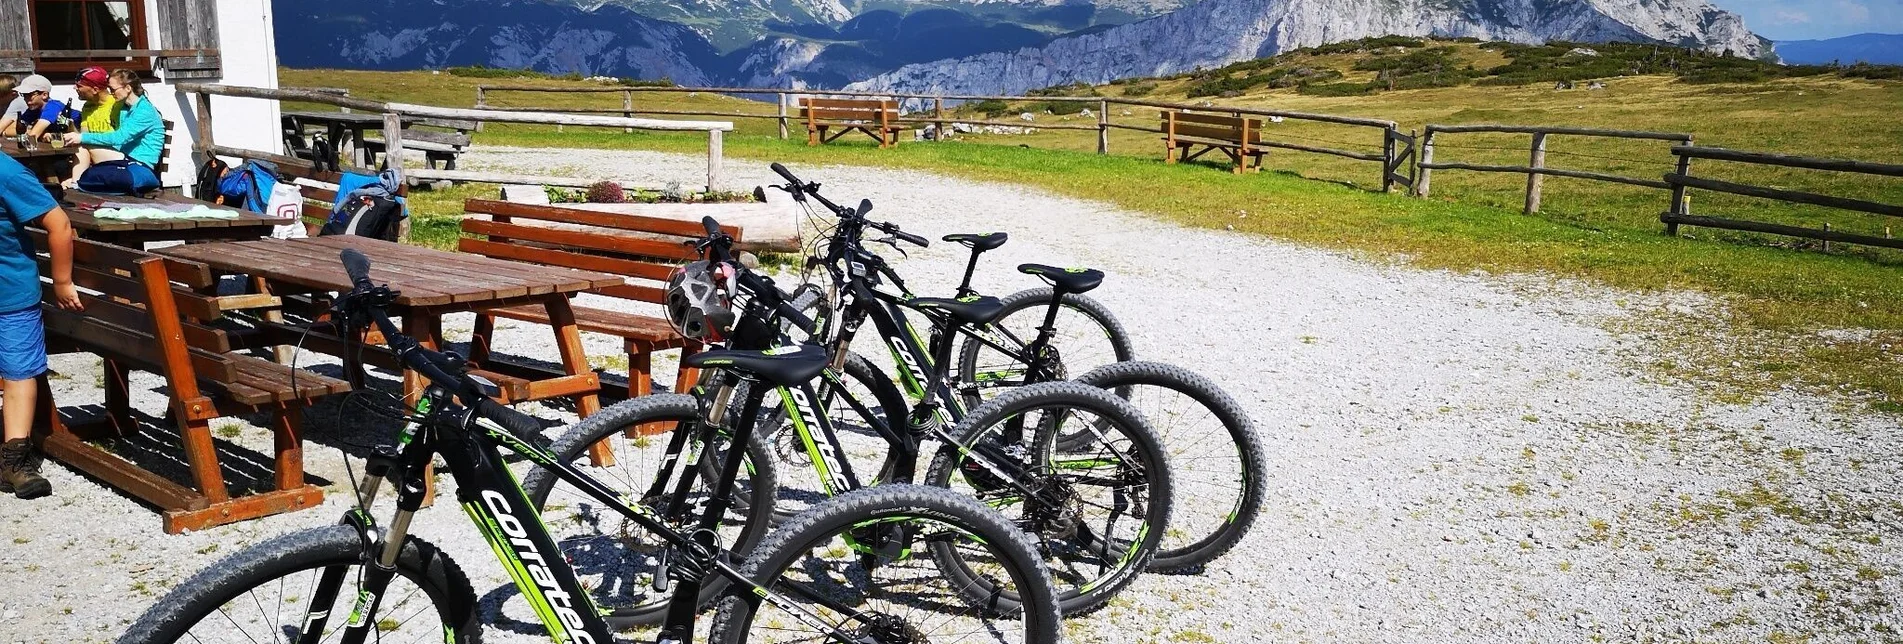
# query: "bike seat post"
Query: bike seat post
{"points": [[964, 287]]}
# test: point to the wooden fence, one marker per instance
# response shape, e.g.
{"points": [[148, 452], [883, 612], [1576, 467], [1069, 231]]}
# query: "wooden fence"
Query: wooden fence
{"points": [[1680, 181], [394, 113], [1536, 169], [1395, 156]]}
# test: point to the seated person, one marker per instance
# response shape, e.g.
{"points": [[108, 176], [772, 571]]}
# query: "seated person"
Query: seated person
{"points": [[11, 105], [100, 113], [141, 133], [44, 114]]}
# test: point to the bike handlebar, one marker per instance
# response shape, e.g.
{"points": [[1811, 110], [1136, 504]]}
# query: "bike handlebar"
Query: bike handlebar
{"points": [[801, 190], [433, 365]]}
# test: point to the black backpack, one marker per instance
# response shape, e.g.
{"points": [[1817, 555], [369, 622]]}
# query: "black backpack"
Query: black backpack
{"points": [[206, 189], [366, 216]]}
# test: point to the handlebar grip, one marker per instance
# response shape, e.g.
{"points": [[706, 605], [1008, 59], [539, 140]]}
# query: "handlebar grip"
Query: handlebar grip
{"points": [[916, 240], [793, 314], [713, 227], [522, 425], [788, 174], [356, 265]]}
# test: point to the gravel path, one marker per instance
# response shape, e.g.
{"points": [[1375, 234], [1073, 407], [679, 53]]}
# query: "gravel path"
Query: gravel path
{"points": [[1454, 457]]}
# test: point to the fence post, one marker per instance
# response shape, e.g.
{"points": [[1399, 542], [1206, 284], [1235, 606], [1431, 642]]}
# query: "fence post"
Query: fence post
{"points": [[482, 101], [1681, 202], [783, 96], [1103, 127], [1533, 179], [1414, 160], [393, 144], [1423, 159], [1387, 159], [938, 112], [713, 160], [627, 107]]}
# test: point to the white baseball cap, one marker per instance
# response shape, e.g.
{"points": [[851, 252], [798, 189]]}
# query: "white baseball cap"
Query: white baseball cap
{"points": [[34, 83]]}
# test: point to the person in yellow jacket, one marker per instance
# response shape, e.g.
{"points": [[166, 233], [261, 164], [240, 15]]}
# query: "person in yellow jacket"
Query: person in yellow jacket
{"points": [[99, 114]]}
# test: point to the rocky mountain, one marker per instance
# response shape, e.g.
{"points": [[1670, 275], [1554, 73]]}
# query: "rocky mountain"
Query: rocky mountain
{"points": [[1217, 32], [963, 46], [1882, 49]]}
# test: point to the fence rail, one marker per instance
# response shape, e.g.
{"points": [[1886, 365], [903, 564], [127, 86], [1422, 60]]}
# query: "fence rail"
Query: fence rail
{"points": [[1397, 150], [394, 112], [1680, 212], [1535, 169]]}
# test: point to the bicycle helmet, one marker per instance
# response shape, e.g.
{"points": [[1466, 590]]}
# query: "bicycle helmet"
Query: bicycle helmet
{"points": [[700, 301]]}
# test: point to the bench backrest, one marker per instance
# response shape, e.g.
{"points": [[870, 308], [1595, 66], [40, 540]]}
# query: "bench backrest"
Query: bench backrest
{"points": [[453, 139], [846, 109], [1215, 127], [141, 309], [643, 249]]}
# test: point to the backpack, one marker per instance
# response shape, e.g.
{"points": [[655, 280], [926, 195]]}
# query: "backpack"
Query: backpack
{"points": [[206, 188], [366, 216], [119, 177], [249, 186]]}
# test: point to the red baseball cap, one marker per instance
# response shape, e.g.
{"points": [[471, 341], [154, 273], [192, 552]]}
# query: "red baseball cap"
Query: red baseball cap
{"points": [[94, 77]]}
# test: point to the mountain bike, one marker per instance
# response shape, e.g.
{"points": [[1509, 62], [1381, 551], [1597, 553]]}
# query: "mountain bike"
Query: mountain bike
{"points": [[1097, 507], [1217, 462], [359, 581]]}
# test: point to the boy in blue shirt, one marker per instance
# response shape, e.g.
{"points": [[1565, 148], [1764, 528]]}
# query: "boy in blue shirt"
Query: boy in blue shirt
{"points": [[23, 202]]}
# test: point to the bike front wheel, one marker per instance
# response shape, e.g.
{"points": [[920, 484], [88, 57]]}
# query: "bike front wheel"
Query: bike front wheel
{"points": [[850, 569], [304, 586]]}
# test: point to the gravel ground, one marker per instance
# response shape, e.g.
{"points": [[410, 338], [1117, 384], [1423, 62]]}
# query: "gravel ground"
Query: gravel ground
{"points": [[1453, 457]]}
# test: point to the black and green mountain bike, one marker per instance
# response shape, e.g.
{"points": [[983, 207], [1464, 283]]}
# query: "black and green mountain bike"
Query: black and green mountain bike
{"points": [[843, 572], [1036, 336]]}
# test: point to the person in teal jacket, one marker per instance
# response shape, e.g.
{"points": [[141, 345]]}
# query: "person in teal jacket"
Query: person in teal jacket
{"points": [[141, 133]]}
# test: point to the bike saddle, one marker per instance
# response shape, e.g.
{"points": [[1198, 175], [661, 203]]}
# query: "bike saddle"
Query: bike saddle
{"points": [[980, 242], [973, 310], [1068, 280], [783, 366]]}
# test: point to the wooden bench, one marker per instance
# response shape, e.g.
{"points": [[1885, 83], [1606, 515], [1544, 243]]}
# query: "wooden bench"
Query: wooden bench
{"points": [[645, 250], [1234, 136], [437, 147], [875, 118], [148, 313]]}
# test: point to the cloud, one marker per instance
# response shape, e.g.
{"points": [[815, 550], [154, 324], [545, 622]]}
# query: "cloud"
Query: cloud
{"points": [[1787, 17], [1852, 12]]}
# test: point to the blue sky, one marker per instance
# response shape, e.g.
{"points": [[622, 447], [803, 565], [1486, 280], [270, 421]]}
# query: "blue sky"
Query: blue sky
{"points": [[1808, 19]]}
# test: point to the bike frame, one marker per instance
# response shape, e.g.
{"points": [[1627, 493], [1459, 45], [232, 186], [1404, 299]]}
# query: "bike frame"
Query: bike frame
{"points": [[496, 503]]}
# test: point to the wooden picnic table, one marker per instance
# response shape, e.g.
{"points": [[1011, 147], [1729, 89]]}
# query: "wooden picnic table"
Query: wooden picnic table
{"points": [[432, 283], [135, 232], [47, 162], [345, 129]]}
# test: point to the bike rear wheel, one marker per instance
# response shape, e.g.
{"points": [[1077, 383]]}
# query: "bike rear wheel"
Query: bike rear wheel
{"points": [[1087, 336], [1217, 461], [848, 565], [1101, 484], [613, 555], [265, 593]]}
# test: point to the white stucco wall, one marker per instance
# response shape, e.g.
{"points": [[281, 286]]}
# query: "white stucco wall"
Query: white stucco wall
{"points": [[249, 55]]}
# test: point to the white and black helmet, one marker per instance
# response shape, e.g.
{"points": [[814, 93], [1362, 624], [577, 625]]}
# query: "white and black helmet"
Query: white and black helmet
{"points": [[700, 301]]}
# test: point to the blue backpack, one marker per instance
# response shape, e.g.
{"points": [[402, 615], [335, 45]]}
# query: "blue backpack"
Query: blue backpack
{"points": [[249, 186], [119, 177]]}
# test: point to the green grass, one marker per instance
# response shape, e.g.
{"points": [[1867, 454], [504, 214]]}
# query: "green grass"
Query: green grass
{"points": [[1778, 291]]}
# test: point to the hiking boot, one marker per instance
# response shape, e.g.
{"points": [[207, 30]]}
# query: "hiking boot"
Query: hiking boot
{"points": [[20, 472]]}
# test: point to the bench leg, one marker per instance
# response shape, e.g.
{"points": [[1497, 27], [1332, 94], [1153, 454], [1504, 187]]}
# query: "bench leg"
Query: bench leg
{"points": [[261, 286], [575, 362], [46, 420], [684, 381], [425, 327], [202, 454], [287, 430], [812, 136], [640, 382], [118, 396], [479, 341]]}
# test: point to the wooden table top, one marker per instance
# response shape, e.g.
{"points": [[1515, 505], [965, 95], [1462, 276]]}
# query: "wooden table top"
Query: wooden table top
{"points": [[12, 148], [86, 221], [426, 277]]}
